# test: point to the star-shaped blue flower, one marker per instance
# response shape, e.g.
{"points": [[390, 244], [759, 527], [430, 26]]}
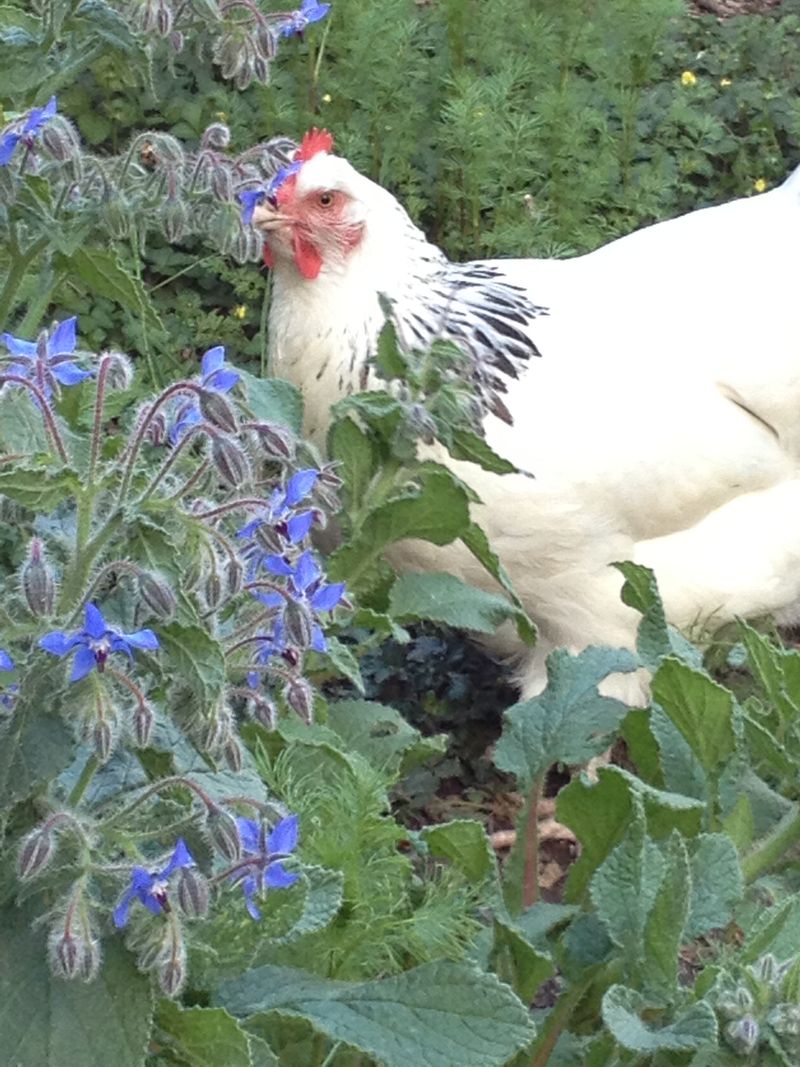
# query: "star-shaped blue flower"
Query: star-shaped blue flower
{"points": [[281, 513], [305, 586], [265, 854], [95, 642], [150, 887], [297, 21], [30, 129], [6, 662], [49, 360], [214, 375]]}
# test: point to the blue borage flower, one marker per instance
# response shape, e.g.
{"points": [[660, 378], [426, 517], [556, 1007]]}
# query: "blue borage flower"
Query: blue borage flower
{"points": [[48, 361], [214, 375], [250, 198], [262, 866], [280, 512], [6, 662], [9, 694], [298, 20], [27, 132], [150, 887], [306, 587], [95, 642]]}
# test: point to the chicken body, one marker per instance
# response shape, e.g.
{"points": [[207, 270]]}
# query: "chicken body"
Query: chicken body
{"points": [[657, 403]]}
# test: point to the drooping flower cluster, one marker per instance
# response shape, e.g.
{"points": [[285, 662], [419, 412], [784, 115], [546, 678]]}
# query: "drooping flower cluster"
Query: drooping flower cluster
{"points": [[215, 377]]}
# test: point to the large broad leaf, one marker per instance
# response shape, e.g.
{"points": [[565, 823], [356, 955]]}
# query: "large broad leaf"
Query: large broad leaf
{"points": [[191, 654], [655, 638], [437, 511], [49, 1022], [701, 709], [666, 922], [717, 883], [570, 721], [37, 744], [103, 274], [203, 1037], [467, 445], [692, 1029], [463, 842], [381, 735], [625, 887], [599, 813], [439, 1014], [37, 488], [477, 542], [357, 454], [274, 400], [446, 599], [22, 427]]}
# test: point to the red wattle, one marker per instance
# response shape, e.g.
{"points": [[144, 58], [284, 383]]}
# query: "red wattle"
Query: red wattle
{"points": [[307, 258], [268, 256]]}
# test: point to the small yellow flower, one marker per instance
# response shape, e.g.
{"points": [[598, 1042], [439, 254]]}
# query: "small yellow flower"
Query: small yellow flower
{"points": [[221, 116], [327, 98], [760, 184], [688, 78], [239, 311], [725, 82]]}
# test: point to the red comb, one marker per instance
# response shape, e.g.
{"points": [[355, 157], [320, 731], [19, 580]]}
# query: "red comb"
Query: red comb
{"points": [[313, 142]]}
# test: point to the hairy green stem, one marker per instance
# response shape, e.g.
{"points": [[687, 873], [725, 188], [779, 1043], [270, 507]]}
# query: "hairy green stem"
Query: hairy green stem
{"points": [[80, 787], [770, 849], [530, 876]]}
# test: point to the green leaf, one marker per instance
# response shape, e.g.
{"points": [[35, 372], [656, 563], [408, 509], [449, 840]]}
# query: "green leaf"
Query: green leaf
{"points": [[463, 842], [202, 1037], [701, 709], [274, 400], [37, 488], [570, 721], [345, 663], [467, 445], [600, 812], [196, 659], [692, 1029], [439, 1014], [357, 455], [739, 824], [512, 949], [437, 511], [104, 275], [14, 16], [770, 665], [717, 883], [49, 1022], [389, 358], [655, 638], [381, 735], [478, 543], [625, 887], [446, 599], [22, 427], [37, 744], [666, 922]]}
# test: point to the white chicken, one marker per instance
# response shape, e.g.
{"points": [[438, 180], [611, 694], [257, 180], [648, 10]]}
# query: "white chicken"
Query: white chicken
{"points": [[652, 388]]}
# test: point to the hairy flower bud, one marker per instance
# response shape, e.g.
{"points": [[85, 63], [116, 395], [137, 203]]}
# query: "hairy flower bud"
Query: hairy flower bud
{"points": [[156, 432], [103, 740], [36, 852], [177, 41], [300, 697], [38, 581], [230, 462], [785, 1020], [234, 576], [225, 834], [298, 622], [58, 137], [89, 960], [218, 410], [268, 538], [232, 751], [175, 219], [261, 69], [120, 370], [265, 42], [171, 976], [65, 955], [216, 136], [263, 711], [212, 590], [743, 1035], [277, 441], [164, 19], [221, 183], [193, 893], [157, 594], [143, 723]]}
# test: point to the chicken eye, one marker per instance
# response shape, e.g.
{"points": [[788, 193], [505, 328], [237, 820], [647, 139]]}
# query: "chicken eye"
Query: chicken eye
{"points": [[325, 199]]}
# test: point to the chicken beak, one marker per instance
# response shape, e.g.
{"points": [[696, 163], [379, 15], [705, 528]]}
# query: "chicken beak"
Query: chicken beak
{"points": [[267, 217]]}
